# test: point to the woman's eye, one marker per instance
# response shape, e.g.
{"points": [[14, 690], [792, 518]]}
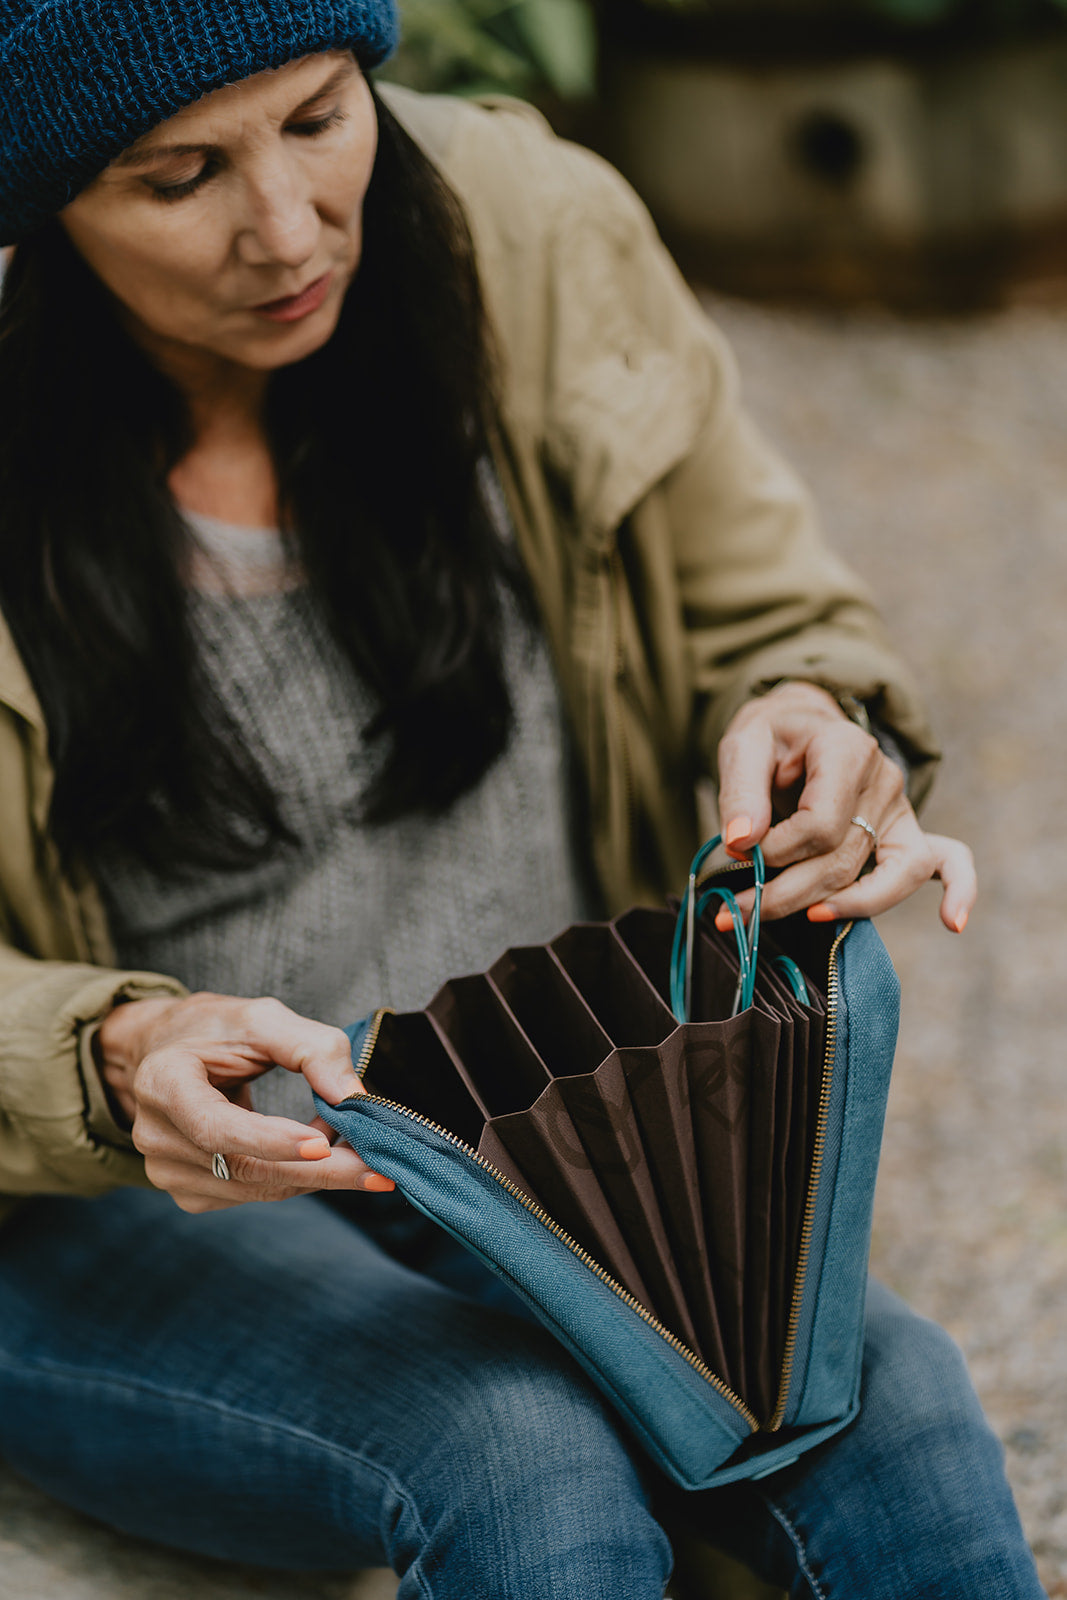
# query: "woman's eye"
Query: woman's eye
{"points": [[188, 186], [311, 130], [179, 191]]}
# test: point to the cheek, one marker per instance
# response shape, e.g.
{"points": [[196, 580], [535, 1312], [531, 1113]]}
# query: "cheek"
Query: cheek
{"points": [[165, 291], [353, 168], [163, 274]]}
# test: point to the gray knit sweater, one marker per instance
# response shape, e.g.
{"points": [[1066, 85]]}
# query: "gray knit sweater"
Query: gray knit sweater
{"points": [[358, 916]]}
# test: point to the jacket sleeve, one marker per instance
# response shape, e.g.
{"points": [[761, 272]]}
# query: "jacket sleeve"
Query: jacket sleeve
{"points": [[762, 596], [57, 1134]]}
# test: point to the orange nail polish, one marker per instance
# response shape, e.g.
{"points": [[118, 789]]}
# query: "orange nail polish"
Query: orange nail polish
{"points": [[821, 913], [377, 1184], [962, 920], [739, 828], [314, 1149], [723, 921]]}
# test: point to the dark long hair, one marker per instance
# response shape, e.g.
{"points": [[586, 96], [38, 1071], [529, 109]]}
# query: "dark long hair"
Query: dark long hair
{"points": [[377, 440]]}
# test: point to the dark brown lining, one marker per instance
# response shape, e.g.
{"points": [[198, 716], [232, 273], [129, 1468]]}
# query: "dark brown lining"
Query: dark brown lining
{"points": [[677, 1157]]}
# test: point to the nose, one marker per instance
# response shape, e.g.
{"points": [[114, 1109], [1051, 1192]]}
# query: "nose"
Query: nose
{"points": [[281, 226]]}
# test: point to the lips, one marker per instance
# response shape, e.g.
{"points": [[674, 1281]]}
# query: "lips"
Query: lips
{"points": [[293, 307]]}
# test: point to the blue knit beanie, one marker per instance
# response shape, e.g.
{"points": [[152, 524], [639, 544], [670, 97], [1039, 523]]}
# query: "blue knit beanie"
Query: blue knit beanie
{"points": [[80, 80]]}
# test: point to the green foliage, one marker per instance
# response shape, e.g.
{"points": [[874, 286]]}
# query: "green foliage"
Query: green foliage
{"points": [[548, 47], [1002, 14], [915, 11], [999, 13], [515, 46]]}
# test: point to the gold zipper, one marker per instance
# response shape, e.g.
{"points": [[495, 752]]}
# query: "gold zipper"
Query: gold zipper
{"points": [[370, 1039], [542, 1216], [813, 1183]]}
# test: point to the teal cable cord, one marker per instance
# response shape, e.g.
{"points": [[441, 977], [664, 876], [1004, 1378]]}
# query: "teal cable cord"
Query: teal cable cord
{"points": [[685, 932], [794, 977]]}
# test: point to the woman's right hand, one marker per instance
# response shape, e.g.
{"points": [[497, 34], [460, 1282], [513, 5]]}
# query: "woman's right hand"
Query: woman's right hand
{"points": [[181, 1072]]}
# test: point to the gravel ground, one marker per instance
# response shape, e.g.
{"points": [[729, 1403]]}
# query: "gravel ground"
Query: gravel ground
{"points": [[936, 452]]}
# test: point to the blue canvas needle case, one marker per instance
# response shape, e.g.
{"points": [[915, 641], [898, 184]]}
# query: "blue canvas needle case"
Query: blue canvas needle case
{"points": [[686, 1205]]}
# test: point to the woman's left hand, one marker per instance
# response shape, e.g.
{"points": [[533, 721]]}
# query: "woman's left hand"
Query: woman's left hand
{"points": [[794, 750]]}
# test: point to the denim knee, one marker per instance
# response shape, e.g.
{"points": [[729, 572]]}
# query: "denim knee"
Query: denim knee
{"points": [[916, 1379], [531, 1420], [526, 1476]]}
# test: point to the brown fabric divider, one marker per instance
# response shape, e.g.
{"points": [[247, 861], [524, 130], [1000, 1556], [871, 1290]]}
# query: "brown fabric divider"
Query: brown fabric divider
{"points": [[500, 1063], [785, 1135], [723, 1059], [648, 935], [809, 1050], [546, 1145], [550, 1011], [660, 1096], [613, 986], [411, 1065], [618, 1150]]}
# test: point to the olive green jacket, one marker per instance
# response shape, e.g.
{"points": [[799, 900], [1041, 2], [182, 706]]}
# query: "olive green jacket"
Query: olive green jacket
{"points": [[677, 562]]}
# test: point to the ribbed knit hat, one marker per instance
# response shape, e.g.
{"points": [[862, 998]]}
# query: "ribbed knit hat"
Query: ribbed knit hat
{"points": [[80, 80]]}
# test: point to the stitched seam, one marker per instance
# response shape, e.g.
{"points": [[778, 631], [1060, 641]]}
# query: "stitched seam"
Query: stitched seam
{"points": [[175, 1396], [798, 1545], [415, 1571]]}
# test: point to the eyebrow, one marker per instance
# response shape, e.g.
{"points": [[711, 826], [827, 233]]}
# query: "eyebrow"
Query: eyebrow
{"points": [[141, 153]]}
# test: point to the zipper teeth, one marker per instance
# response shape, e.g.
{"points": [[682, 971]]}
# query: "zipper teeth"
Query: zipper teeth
{"points": [[813, 1183], [370, 1038], [542, 1216]]}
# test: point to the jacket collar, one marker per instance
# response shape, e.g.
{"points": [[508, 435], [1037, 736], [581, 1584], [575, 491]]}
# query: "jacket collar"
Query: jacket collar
{"points": [[612, 406]]}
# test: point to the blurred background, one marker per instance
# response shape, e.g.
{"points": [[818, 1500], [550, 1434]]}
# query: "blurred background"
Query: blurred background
{"points": [[870, 196], [913, 152]]}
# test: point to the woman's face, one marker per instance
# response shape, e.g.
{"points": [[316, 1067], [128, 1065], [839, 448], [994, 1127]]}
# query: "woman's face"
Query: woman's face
{"points": [[230, 233]]}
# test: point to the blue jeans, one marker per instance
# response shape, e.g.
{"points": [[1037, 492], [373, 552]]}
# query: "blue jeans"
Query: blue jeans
{"points": [[273, 1385]]}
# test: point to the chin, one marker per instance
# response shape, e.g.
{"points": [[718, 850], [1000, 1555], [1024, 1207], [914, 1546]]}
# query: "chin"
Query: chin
{"points": [[284, 346]]}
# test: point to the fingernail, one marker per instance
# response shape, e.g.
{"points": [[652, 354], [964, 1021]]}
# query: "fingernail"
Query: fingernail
{"points": [[379, 1185], [313, 1149], [961, 921], [821, 913], [739, 828], [723, 921]]}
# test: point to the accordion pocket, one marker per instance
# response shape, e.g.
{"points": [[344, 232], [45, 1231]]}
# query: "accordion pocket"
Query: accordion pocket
{"points": [[412, 1066], [550, 1011], [618, 993], [677, 1158], [686, 1206], [648, 934], [487, 1046]]}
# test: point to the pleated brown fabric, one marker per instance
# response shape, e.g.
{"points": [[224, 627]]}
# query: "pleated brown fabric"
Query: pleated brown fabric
{"points": [[679, 1157]]}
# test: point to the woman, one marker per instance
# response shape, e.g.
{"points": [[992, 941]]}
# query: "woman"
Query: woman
{"points": [[385, 558]]}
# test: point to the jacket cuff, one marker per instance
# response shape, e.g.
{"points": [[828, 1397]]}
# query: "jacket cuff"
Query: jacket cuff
{"points": [[60, 1135], [845, 669]]}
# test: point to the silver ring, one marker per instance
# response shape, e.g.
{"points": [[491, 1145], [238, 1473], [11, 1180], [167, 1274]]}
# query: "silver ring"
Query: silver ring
{"points": [[861, 822], [219, 1167]]}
